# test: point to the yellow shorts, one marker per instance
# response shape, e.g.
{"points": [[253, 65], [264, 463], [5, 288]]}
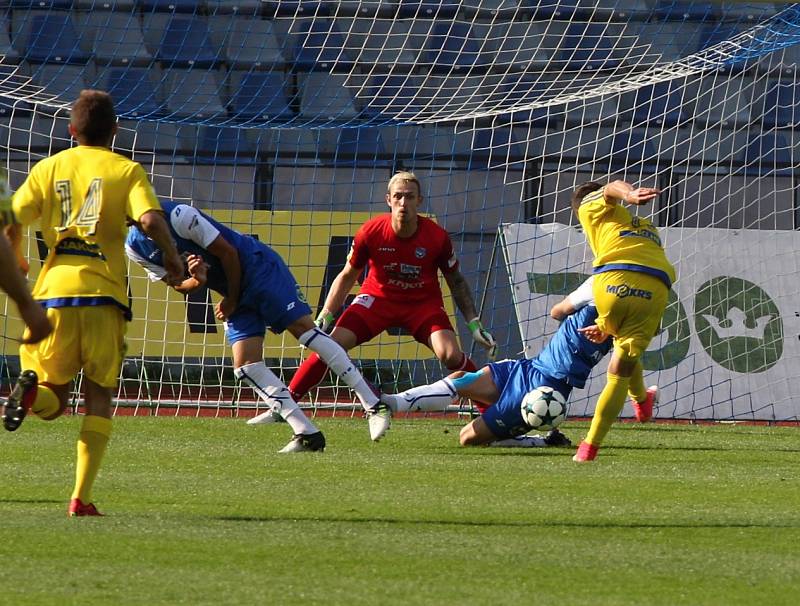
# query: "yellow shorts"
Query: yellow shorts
{"points": [[629, 307], [89, 337]]}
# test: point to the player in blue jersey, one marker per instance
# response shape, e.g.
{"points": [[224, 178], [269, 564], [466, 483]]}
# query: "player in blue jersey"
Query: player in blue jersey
{"points": [[258, 292], [565, 363]]}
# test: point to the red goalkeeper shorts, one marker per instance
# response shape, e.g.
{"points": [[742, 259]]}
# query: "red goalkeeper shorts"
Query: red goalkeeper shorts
{"points": [[368, 316]]}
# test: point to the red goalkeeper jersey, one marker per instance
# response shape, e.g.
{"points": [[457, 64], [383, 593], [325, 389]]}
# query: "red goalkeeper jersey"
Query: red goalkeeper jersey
{"points": [[403, 269]]}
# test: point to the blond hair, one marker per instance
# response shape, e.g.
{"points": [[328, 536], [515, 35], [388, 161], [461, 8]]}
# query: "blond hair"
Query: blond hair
{"points": [[406, 176]]}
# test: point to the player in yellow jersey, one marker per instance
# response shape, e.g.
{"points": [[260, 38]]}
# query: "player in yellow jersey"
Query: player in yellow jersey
{"points": [[83, 198], [631, 284]]}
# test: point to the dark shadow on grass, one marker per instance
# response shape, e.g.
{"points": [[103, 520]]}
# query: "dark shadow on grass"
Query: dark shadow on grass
{"points": [[497, 524], [30, 501]]}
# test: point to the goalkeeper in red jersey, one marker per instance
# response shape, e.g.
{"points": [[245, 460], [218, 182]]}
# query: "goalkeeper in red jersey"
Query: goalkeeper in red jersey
{"points": [[403, 253]]}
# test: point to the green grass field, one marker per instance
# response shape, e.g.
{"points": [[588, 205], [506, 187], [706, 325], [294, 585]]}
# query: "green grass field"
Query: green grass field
{"points": [[204, 511]]}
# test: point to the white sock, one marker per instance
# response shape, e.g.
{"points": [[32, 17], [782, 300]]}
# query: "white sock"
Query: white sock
{"points": [[426, 398], [340, 363], [274, 393]]}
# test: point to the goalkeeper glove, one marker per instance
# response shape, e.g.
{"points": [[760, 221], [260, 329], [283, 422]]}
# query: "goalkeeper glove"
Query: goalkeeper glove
{"points": [[482, 336], [324, 321]]}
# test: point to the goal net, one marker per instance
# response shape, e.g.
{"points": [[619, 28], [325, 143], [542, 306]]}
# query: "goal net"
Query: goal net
{"points": [[286, 120]]}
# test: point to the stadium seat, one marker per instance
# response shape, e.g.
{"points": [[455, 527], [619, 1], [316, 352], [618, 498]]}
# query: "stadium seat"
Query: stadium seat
{"points": [[660, 104], [501, 9], [637, 10], [591, 46], [724, 101], [375, 8], [631, 148], [133, 90], [492, 148], [248, 43], [602, 110], [114, 37], [259, 96], [7, 51], [193, 94], [180, 40], [41, 36], [353, 147], [282, 8], [443, 9], [517, 90], [62, 81], [326, 98], [320, 46], [682, 10], [749, 12], [145, 136], [105, 5], [767, 152], [781, 104], [390, 97], [520, 45], [214, 144], [250, 8], [378, 45], [39, 4], [670, 41], [450, 47], [172, 6]]}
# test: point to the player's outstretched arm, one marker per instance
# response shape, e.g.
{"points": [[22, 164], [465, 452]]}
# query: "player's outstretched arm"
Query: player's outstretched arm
{"points": [[154, 225], [620, 190], [340, 288], [13, 283], [463, 298]]}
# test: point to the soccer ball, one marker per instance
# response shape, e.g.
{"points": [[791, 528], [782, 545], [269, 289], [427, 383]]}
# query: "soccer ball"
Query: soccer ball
{"points": [[544, 408]]}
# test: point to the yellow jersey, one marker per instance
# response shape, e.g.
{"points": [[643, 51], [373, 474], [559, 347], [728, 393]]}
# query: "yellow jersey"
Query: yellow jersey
{"points": [[82, 197], [621, 241]]}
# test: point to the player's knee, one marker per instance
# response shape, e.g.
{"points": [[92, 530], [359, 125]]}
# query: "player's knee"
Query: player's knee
{"points": [[453, 360]]}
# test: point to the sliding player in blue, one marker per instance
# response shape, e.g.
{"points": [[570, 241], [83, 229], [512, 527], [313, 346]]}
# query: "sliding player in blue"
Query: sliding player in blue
{"points": [[565, 363], [258, 292]]}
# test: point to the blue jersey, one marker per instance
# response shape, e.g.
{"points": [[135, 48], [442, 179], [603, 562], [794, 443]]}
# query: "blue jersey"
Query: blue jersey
{"points": [[569, 356], [269, 297]]}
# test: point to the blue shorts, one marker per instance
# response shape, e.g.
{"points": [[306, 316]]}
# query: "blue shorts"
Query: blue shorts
{"points": [[271, 299], [514, 379]]}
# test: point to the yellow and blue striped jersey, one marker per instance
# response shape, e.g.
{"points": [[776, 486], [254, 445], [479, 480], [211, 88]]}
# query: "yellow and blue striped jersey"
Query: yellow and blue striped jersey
{"points": [[82, 198], [623, 241]]}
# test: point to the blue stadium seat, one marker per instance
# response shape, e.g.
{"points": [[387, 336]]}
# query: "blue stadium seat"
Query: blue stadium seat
{"points": [[259, 96], [250, 8], [282, 8], [669, 40], [493, 148], [660, 104], [114, 38], [354, 147], [379, 44], [105, 5], [39, 4], [768, 152], [325, 98], [7, 51], [639, 10], [516, 90], [374, 8], [62, 81], [443, 9], [631, 148], [216, 145], [181, 40], [320, 46], [390, 97], [683, 10], [133, 90], [725, 102], [592, 46], [172, 6], [781, 104], [450, 47], [47, 37], [502, 9], [195, 94], [248, 43], [518, 45]]}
